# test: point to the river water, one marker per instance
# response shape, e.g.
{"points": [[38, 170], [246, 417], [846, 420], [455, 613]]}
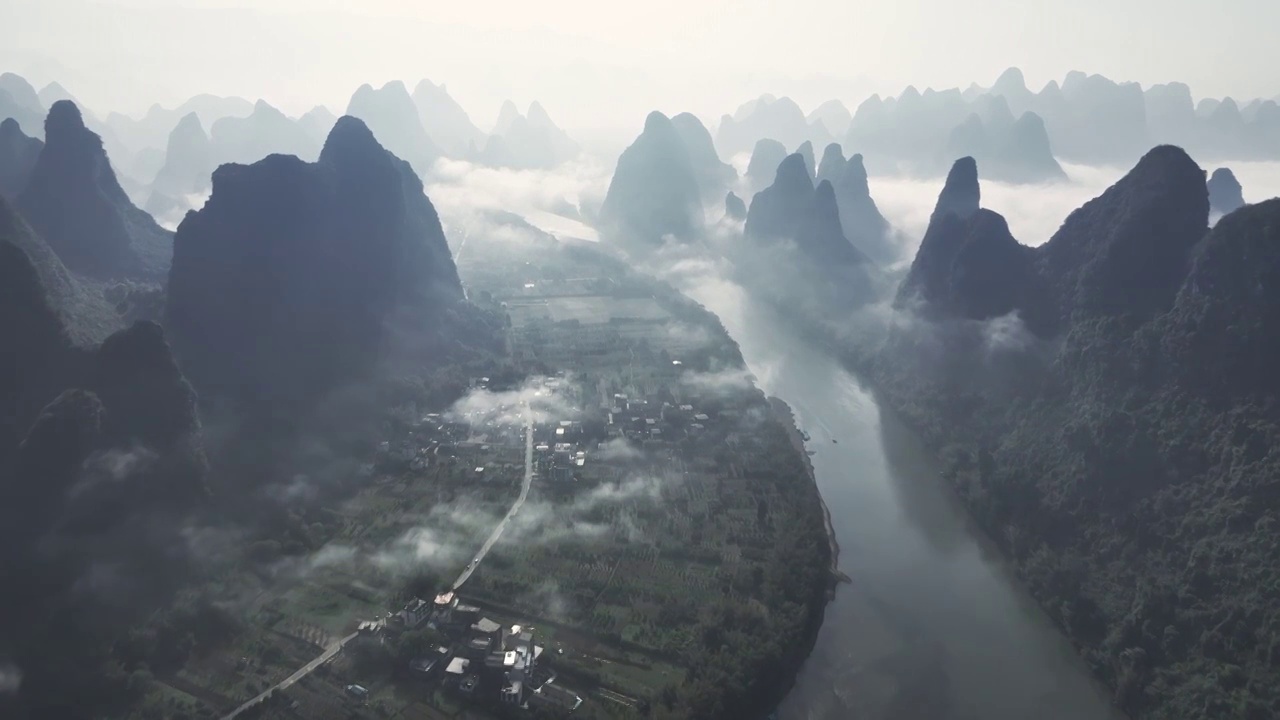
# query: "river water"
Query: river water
{"points": [[933, 626]]}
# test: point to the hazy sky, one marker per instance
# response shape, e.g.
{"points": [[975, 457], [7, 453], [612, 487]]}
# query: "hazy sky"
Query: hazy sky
{"points": [[597, 63]]}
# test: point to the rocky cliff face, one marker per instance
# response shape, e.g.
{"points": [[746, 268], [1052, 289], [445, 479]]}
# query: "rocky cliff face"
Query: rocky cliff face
{"points": [[18, 155], [36, 353], [1120, 453], [296, 277], [712, 175], [390, 113], [1125, 252], [1225, 194], [74, 202], [654, 192]]}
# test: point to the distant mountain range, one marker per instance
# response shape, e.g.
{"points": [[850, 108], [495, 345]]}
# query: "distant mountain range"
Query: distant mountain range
{"points": [[1016, 133]]}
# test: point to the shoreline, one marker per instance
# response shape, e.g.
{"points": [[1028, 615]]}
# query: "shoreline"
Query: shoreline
{"points": [[783, 412]]}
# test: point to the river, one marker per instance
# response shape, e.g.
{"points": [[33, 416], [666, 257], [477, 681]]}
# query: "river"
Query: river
{"points": [[933, 626]]}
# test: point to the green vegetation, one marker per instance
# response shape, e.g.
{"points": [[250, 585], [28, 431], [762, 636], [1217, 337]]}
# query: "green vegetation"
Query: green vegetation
{"points": [[1130, 474]]}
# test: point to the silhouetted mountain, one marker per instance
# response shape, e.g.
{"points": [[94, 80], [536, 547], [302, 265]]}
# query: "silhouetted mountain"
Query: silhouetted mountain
{"points": [[820, 236], [528, 142], [1114, 458], [75, 203], [53, 92], [35, 353], [922, 133], [81, 308], [654, 191], [265, 131], [971, 267], [317, 122], [188, 163], [863, 224], [763, 167], [392, 116], [712, 175], [18, 154], [806, 151], [831, 167], [296, 278], [777, 211], [21, 91], [128, 140], [765, 117], [834, 116], [446, 122], [1026, 156], [1125, 252], [1012, 151], [18, 100], [960, 194], [796, 252], [734, 207], [1225, 194]]}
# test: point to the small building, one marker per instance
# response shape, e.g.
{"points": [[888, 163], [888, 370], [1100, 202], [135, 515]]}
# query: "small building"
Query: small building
{"points": [[414, 613], [457, 667], [485, 626], [358, 692]]}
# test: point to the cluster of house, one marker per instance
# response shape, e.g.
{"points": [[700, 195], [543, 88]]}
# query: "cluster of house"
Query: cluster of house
{"points": [[558, 453], [640, 420], [484, 658]]}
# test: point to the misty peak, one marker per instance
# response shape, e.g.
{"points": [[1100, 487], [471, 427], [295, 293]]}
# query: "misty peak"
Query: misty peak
{"points": [[262, 109], [1010, 80], [20, 90], [1225, 194], [832, 165], [854, 178], [538, 115], [734, 207], [189, 124], [396, 86], [806, 151], [960, 194], [656, 122], [793, 173], [349, 137], [64, 117]]}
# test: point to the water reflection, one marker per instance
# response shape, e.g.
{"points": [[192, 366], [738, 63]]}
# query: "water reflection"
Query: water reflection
{"points": [[932, 626]]}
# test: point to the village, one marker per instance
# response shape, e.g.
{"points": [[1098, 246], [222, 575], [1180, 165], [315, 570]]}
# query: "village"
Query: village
{"points": [[569, 538]]}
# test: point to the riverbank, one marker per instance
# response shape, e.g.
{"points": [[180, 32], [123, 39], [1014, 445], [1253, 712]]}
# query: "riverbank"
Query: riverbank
{"points": [[782, 411]]}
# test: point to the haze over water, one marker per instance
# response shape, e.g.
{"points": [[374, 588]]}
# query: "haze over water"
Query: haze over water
{"points": [[932, 625]]}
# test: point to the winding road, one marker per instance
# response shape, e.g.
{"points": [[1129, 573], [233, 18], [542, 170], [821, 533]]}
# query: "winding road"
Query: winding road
{"points": [[302, 672], [515, 508], [337, 646]]}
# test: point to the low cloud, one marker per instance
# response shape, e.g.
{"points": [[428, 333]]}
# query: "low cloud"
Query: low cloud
{"points": [[10, 678], [718, 382], [534, 401], [1006, 333]]}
